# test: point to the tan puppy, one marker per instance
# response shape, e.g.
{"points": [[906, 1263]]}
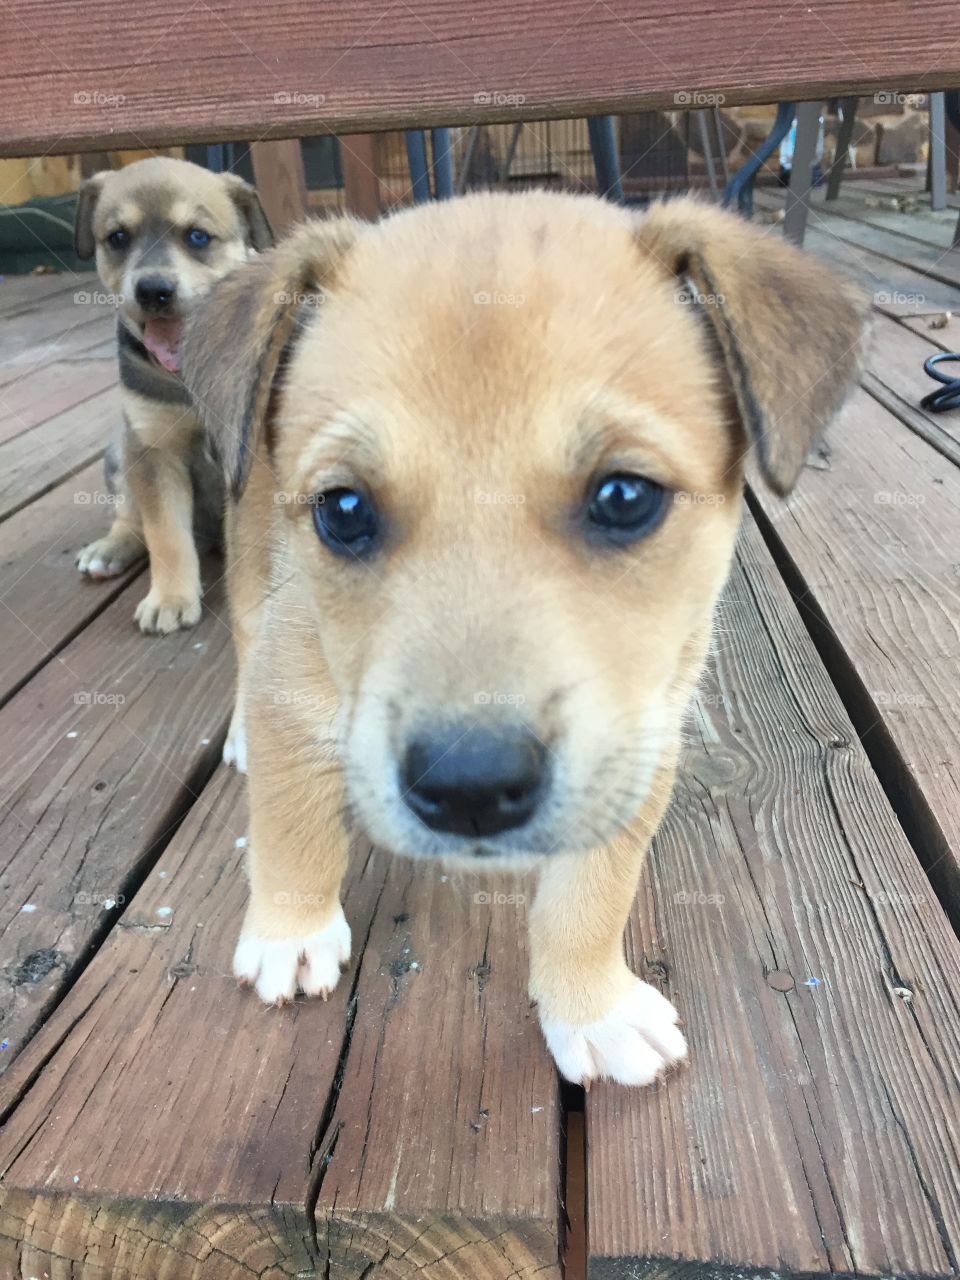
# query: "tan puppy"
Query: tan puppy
{"points": [[163, 231], [487, 510]]}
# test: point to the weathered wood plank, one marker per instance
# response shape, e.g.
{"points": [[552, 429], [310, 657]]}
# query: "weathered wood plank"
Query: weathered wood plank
{"points": [[44, 602], [871, 537], [420, 1091], [35, 461], [815, 1128], [221, 71], [41, 393], [99, 755], [20, 293]]}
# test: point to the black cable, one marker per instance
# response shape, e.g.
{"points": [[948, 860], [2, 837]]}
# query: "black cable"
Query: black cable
{"points": [[947, 396]]}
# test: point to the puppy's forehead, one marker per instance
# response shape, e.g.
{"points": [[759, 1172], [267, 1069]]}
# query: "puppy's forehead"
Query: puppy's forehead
{"points": [[538, 322], [165, 191]]}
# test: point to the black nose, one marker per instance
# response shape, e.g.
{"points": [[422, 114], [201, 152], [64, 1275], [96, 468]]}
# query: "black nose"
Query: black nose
{"points": [[475, 783], [154, 293]]}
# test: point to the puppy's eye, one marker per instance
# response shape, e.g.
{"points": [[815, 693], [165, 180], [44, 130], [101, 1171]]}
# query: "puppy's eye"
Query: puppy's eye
{"points": [[625, 507], [197, 238], [118, 239], [346, 521]]}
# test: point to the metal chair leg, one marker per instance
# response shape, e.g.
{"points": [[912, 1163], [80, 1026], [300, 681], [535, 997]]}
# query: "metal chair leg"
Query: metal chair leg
{"points": [[739, 189], [938, 152], [442, 163], [606, 162], [801, 172], [848, 107], [706, 143], [417, 161]]}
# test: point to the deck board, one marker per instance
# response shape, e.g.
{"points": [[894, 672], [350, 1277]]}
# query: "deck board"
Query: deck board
{"points": [[99, 755], [232, 1102], [800, 1138], [44, 602], [872, 534]]}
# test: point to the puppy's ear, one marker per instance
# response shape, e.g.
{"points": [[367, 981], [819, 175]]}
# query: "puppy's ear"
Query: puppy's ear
{"points": [[84, 244], [789, 330], [259, 232], [237, 338]]}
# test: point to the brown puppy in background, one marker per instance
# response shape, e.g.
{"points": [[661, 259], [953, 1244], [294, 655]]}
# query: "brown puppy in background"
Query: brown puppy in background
{"points": [[163, 231], [489, 457]]}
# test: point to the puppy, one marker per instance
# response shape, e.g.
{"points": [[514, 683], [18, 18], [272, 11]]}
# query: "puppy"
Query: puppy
{"points": [[163, 231], [488, 458]]}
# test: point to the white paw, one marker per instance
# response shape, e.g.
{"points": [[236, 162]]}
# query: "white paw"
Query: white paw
{"points": [[235, 747], [278, 966], [636, 1040], [109, 556], [157, 614]]}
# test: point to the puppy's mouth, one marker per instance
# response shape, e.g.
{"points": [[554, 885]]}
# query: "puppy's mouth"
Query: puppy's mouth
{"points": [[162, 340]]}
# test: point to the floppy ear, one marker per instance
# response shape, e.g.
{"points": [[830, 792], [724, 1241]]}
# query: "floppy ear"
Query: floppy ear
{"points": [[259, 232], [84, 244], [788, 328], [237, 338]]}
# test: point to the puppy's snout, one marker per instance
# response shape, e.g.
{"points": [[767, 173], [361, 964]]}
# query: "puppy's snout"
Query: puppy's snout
{"points": [[475, 782], [155, 294]]}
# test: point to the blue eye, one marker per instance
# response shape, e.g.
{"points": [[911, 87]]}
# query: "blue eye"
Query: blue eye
{"points": [[626, 507], [197, 238], [118, 239], [346, 521]]}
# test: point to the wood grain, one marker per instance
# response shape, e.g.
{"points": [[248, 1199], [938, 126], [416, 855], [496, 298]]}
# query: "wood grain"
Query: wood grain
{"points": [[99, 756], [35, 461], [815, 1129], [220, 71], [871, 535], [896, 378], [417, 1107], [278, 173], [44, 602], [42, 392]]}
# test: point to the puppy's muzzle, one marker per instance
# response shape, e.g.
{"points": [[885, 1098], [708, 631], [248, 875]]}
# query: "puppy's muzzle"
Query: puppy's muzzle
{"points": [[156, 295], [473, 780]]}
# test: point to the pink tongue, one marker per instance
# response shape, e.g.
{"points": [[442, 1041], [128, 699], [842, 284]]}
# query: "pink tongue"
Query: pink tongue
{"points": [[162, 340]]}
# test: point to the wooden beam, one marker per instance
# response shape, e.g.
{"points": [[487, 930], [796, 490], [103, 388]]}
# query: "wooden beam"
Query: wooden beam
{"points": [[187, 72], [359, 159], [278, 173]]}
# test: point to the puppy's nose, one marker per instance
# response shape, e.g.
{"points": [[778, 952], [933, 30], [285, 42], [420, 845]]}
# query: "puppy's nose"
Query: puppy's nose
{"points": [[474, 783], [154, 293]]}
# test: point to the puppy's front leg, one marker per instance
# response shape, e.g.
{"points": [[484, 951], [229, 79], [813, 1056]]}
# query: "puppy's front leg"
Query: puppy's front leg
{"points": [[294, 933], [600, 1021], [161, 483]]}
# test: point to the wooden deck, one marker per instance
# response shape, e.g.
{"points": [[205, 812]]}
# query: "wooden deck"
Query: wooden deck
{"points": [[800, 905]]}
